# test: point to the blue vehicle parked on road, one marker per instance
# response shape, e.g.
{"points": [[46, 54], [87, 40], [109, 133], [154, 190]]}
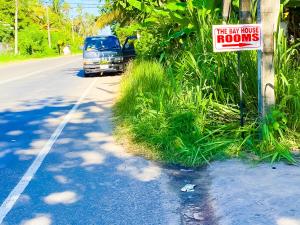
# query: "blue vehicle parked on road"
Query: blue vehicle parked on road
{"points": [[103, 54]]}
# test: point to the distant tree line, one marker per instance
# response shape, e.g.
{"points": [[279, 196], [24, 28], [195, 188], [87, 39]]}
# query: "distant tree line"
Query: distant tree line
{"points": [[33, 27]]}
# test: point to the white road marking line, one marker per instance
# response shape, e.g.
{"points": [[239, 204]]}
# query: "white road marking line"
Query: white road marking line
{"points": [[14, 195], [35, 72]]}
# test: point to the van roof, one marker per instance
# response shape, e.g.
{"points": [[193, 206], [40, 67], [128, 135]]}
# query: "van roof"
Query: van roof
{"points": [[102, 36]]}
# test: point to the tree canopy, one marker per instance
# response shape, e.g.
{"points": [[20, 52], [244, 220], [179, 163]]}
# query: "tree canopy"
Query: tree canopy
{"points": [[32, 25]]}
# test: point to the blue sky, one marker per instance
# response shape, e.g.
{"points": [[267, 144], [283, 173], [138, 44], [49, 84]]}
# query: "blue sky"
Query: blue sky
{"points": [[89, 6]]}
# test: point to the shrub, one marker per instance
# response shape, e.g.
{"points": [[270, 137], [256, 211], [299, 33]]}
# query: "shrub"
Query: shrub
{"points": [[32, 40]]}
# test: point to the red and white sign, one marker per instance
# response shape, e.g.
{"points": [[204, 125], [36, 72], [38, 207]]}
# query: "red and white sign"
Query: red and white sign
{"points": [[240, 37]]}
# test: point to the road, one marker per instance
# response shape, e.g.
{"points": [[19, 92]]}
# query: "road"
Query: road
{"points": [[59, 163]]}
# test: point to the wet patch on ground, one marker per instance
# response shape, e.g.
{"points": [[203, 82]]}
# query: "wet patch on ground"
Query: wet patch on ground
{"points": [[195, 205]]}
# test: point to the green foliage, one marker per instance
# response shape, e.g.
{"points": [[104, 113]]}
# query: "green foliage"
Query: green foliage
{"points": [[192, 116], [8, 57], [288, 79], [32, 40], [274, 145], [294, 3], [6, 20], [32, 27], [186, 125]]}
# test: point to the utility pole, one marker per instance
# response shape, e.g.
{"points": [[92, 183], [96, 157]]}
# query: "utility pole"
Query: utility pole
{"points": [[72, 29], [267, 15], [16, 27], [48, 27]]}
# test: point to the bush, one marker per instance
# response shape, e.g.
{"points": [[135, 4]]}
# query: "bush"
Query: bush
{"points": [[32, 40], [187, 107], [183, 125], [192, 116]]}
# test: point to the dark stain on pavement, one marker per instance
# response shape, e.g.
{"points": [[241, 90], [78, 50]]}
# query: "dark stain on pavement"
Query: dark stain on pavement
{"points": [[195, 207]]}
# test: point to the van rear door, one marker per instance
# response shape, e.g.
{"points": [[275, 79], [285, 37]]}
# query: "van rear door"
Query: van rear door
{"points": [[128, 48]]}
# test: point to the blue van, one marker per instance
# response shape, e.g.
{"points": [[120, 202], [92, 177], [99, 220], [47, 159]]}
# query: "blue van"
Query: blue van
{"points": [[103, 54]]}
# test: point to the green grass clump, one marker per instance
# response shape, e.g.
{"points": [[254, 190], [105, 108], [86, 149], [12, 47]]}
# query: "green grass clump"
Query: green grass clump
{"points": [[183, 125], [188, 124], [185, 107]]}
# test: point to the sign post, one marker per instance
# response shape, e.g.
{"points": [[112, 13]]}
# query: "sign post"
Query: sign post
{"points": [[242, 104], [242, 37]]}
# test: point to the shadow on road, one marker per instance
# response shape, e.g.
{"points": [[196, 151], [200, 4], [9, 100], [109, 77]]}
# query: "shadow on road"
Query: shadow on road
{"points": [[87, 178], [80, 73]]}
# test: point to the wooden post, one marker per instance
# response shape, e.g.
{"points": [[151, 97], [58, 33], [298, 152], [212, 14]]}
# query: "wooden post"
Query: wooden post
{"points": [[245, 11], [267, 15], [16, 27], [226, 10]]}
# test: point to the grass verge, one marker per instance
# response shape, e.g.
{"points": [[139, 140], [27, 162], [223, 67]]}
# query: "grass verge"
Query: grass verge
{"points": [[171, 125], [163, 118], [9, 58]]}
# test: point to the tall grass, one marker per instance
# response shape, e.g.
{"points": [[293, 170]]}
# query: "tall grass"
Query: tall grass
{"points": [[187, 107], [186, 126]]}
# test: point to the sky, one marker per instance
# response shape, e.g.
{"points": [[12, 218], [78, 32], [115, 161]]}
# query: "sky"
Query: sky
{"points": [[89, 6]]}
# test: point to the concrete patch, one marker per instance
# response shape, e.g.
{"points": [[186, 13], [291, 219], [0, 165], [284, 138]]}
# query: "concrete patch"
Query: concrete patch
{"points": [[246, 194]]}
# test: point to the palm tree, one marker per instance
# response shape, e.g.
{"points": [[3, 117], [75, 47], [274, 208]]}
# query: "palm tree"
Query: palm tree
{"points": [[57, 6]]}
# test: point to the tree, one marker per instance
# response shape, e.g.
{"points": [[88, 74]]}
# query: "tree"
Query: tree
{"points": [[32, 25], [57, 6], [7, 12]]}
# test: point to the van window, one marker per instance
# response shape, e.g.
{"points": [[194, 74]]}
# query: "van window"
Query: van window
{"points": [[101, 43]]}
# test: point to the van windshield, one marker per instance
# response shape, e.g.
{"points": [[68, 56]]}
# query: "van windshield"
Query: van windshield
{"points": [[101, 43]]}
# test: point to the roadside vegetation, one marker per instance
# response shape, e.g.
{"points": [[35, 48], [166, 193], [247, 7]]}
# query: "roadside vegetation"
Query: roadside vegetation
{"points": [[33, 39], [10, 57], [180, 99]]}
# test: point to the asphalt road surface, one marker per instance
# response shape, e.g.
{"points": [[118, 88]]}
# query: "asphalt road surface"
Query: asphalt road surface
{"points": [[59, 163]]}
